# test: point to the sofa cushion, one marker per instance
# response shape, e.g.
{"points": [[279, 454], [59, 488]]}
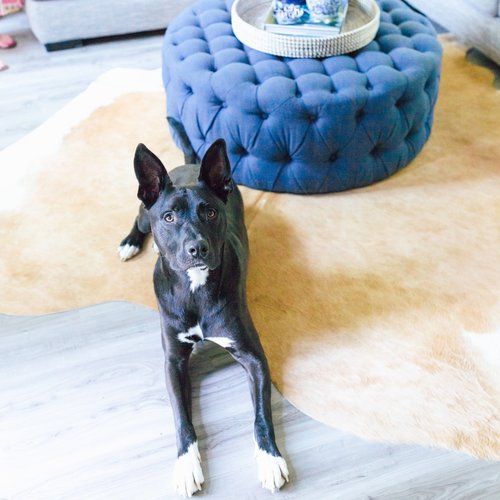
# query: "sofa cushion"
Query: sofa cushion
{"points": [[56, 21]]}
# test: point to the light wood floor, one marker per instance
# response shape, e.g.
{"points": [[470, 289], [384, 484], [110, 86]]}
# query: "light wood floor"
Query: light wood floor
{"points": [[84, 415]]}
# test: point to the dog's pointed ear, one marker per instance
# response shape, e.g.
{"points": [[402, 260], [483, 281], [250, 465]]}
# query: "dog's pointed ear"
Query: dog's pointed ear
{"points": [[215, 170], [151, 174]]}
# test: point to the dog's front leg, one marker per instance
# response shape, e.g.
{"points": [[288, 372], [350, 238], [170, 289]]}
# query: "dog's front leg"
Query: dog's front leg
{"points": [[271, 466], [188, 475], [132, 244]]}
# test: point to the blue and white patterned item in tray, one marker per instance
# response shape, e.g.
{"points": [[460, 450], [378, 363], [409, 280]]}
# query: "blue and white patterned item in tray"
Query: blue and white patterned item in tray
{"points": [[329, 12], [326, 11], [289, 11]]}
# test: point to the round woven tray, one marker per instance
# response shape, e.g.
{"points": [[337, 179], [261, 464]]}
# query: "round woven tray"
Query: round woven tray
{"points": [[360, 27]]}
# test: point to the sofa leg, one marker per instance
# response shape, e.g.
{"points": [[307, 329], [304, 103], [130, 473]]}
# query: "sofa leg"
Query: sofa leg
{"points": [[69, 44]]}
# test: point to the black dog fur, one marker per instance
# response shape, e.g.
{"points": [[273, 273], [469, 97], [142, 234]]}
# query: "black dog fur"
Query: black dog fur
{"points": [[195, 214]]}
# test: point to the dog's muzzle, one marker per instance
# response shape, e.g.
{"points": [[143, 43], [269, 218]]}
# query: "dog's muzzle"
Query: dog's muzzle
{"points": [[197, 249]]}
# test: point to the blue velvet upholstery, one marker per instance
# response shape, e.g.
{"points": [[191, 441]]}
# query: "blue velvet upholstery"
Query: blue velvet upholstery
{"points": [[304, 125]]}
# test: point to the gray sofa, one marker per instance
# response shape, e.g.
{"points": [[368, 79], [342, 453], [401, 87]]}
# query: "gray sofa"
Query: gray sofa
{"points": [[65, 23], [475, 22]]}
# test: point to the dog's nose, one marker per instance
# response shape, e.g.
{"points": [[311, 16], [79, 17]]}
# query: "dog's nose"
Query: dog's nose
{"points": [[197, 248]]}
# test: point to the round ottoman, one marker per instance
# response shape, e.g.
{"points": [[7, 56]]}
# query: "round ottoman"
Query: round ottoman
{"points": [[303, 125]]}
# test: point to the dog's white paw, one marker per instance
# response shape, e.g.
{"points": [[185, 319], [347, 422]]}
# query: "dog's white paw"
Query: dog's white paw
{"points": [[127, 251], [188, 476], [272, 471]]}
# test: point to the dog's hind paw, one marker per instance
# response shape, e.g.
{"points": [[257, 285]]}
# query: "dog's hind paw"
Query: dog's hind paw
{"points": [[272, 471], [127, 251], [188, 476]]}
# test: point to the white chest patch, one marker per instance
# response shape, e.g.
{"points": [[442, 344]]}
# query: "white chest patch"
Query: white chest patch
{"points": [[198, 277], [193, 335], [222, 341]]}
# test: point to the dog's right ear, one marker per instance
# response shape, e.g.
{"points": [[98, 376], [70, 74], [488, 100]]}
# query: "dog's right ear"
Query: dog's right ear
{"points": [[151, 174]]}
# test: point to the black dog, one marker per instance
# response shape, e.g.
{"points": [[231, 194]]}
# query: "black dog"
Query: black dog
{"points": [[196, 217]]}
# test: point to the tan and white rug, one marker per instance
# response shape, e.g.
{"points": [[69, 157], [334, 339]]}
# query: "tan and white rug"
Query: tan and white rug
{"points": [[378, 308]]}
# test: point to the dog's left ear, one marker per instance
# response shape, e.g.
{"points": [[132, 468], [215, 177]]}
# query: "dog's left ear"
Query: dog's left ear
{"points": [[215, 170], [151, 174]]}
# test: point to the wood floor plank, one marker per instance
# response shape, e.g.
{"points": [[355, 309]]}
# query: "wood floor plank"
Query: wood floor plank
{"points": [[84, 415]]}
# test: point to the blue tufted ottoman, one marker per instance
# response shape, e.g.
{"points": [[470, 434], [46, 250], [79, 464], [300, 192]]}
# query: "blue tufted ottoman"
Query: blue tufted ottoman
{"points": [[303, 125]]}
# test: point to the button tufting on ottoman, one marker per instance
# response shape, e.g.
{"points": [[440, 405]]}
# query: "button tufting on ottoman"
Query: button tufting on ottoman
{"points": [[304, 125]]}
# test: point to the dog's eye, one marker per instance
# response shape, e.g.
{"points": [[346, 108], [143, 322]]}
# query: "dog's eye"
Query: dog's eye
{"points": [[169, 217], [211, 213]]}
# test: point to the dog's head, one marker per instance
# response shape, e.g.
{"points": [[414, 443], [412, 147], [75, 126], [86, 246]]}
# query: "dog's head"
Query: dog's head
{"points": [[188, 221]]}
